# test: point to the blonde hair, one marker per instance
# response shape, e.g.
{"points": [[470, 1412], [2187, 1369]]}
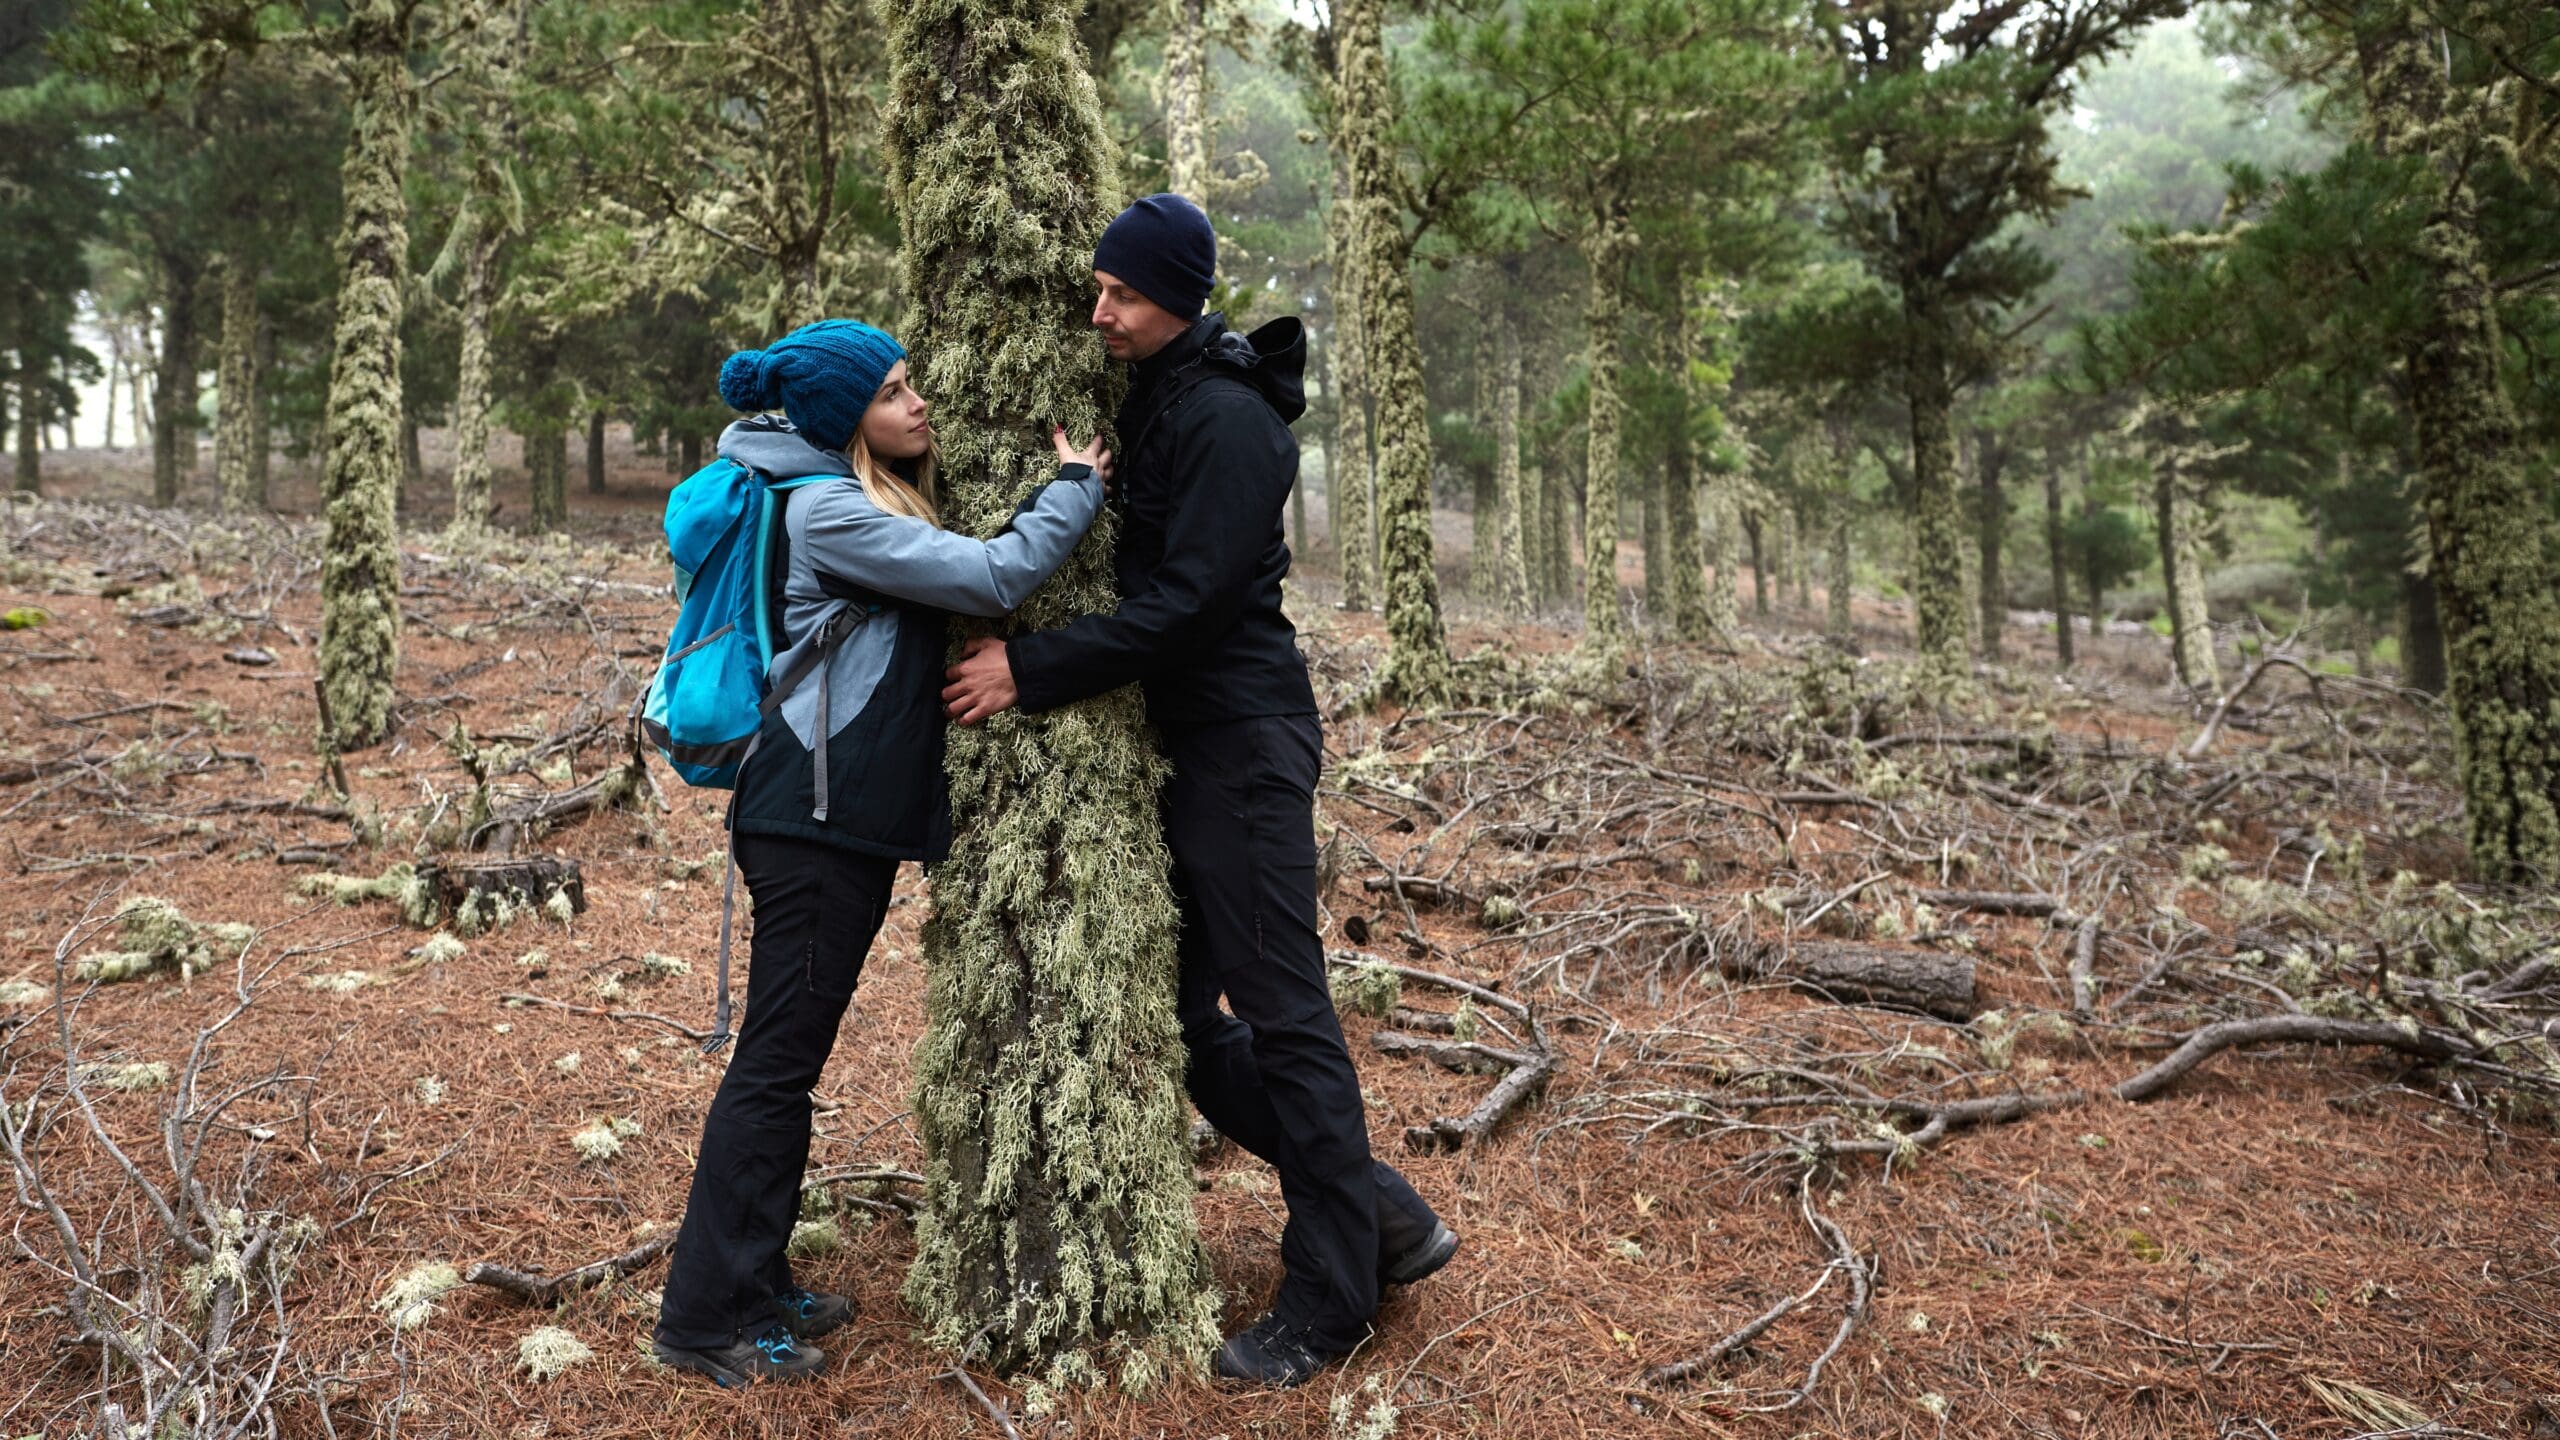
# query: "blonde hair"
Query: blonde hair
{"points": [[893, 493]]}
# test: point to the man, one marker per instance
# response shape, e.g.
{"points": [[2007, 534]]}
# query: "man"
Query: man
{"points": [[1207, 462]]}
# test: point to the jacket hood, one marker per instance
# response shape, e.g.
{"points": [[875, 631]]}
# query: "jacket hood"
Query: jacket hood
{"points": [[1272, 359], [768, 445]]}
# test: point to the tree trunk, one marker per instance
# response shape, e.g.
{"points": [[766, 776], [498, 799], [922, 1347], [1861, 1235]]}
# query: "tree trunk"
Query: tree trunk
{"points": [[1606, 248], [1559, 547], [1417, 668], [1511, 535], [1724, 591], [1837, 620], [236, 415], [413, 465], [689, 454], [546, 444], [173, 439], [262, 363], [1347, 489], [1186, 102], [471, 480], [1991, 518], [1048, 1094], [2190, 627], [107, 413], [595, 453], [2058, 557], [30, 477], [2421, 634], [1683, 563], [1798, 534], [1937, 518], [2488, 530], [360, 486], [1752, 528]]}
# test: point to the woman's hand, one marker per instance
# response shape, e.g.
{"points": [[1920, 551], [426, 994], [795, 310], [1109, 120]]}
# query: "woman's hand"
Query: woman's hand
{"points": [[1091, 455]]}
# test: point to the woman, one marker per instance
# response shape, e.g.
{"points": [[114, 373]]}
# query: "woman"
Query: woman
{"points": [[865, 550]]}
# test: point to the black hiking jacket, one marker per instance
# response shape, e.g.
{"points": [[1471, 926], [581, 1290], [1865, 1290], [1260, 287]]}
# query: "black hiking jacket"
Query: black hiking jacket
{"points": [[1206, 462]]}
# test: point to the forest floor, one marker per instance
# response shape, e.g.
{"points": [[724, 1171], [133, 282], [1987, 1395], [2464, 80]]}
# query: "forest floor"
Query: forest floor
{"points": [[1960, 1231]]}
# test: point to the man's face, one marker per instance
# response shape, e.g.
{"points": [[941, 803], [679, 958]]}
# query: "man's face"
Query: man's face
{"points": [[1133, 327]]}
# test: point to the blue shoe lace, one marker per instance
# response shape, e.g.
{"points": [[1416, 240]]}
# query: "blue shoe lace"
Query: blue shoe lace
{"points": [[798, 1301], [777, 1343]]}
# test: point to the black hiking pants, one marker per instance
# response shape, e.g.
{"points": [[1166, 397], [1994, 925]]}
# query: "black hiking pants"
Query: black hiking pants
{"points": [[1274, 1076], [817, 909]]}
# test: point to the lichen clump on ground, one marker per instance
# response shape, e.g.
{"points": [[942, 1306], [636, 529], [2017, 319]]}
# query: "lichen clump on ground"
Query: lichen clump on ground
{"points": [[548, 1351], [410, 1302], [157, 936]]}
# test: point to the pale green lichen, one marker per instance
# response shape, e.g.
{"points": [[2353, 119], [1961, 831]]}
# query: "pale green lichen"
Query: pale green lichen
{"points": [[550, 1350], [14, 993], [132, 1076], [1351, 1422], [814, 1239], [339, 982], [158, 937], [429, 1089], [410, 1301], [664, 967], [1057, 1216], [1370, 988], [440, 949], [399, 884], [597, 1142]]}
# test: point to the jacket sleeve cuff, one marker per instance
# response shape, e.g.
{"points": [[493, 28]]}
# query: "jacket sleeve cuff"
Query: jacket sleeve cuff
{"points": [[1033, 660]]}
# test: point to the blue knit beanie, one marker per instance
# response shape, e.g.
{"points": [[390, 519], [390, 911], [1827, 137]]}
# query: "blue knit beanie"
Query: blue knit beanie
{"points": [[1164, 249], [823, 376]]}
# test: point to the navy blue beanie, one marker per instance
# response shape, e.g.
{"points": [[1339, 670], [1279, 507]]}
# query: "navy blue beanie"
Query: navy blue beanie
{"points": [[823, 376], [1163, 248]]}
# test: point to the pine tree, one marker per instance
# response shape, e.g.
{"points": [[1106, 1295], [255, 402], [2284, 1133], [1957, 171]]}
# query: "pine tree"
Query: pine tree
{"points": [[1186, 101], [1348, 488], [1512, 565], [1057, 1223], [1417, 669]]}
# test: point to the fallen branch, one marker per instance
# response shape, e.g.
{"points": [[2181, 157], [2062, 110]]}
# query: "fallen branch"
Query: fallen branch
{"points": [[1844, 1261], [1525, 1073], [550, 1290], [1991, 902]]}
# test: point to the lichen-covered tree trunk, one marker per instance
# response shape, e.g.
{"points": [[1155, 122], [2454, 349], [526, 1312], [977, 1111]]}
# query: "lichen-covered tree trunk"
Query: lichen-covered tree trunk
{"points": [[1417, 669], [471, 382], [1991, 521], [2058, 557], [1939, 552], [238, 414], [1347, 490], [2179, 517], [1755, 528], [173, 434], [1186, 101], [1606, 248], [1561, 554], [1057, 1220], [1724, 589], [1684, 563], [262, 363], [1837, 582], [2488, 533], [1800, 553], [360, 482], [1511, 582], [546, 469]]}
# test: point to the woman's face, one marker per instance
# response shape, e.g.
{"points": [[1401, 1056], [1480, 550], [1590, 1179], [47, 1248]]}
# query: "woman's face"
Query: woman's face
{"points": [[895, 426]]}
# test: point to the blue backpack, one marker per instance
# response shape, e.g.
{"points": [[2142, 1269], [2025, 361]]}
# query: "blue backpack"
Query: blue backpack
{"points": [[711, 696]]}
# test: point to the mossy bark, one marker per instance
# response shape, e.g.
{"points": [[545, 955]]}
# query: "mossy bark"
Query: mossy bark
{"points": [[1684, 604], [1511, 582], [1837, 619], [1347, 492], [237, 415], [1724, 588], [546, 470], [2488, 532], [1755, 529], [360, 482], [262, 361], [1606, 247], [2179, 519], [471, 503], [1560, 555], [1057, 1225], [1991, 529], [1417, 669], [1186, 101], [1939, 550], [2057, 557], [173, 394]]}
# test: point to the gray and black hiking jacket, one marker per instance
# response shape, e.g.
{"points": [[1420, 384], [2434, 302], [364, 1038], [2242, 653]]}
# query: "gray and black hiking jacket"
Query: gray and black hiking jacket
{"points": [[894, 580]]}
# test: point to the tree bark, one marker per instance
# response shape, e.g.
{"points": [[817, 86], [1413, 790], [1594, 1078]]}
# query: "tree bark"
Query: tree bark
{"points": [[1347, 488], [1511, 535], [1724, 591], [236, 415], [1683, 562], [262, 363], [595, 453], [30, 466], [1838, 621], [173, 438], [471, 480], [1752, 529], [360, 486], [1937, 519], [2190, 632], [413, 465], [1607, 245], [1057, 1220], [2488, 532], [546, 444], [2421, 634], [1991, 518], [1417, 669], [2057, 556], [1186, 102], [1855, 974]]}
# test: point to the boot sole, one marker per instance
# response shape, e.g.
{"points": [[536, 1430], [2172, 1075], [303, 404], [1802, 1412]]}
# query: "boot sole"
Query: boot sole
{"points": [[1425, 1261], [725, 1376]]}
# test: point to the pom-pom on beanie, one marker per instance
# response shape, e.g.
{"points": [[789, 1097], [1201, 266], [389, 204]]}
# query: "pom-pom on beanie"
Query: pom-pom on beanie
{"points": [[822, 375], [1163, 248]]}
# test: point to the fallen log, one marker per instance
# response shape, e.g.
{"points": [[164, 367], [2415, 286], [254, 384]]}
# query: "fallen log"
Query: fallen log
{"points": [[1858, 974], [1991, 902]]}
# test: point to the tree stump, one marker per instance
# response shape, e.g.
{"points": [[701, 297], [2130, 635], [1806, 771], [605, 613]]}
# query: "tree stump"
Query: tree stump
{"points": [[523, 881], [1855, 974]]}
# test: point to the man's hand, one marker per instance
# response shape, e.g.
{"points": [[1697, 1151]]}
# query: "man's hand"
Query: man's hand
{"points": [[981, 684]]}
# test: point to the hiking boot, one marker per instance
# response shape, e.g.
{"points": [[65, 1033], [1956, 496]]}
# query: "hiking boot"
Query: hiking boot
{"points": [[1419, 1261], [812, 1313], [1274, 1353], [772, 1354]]}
